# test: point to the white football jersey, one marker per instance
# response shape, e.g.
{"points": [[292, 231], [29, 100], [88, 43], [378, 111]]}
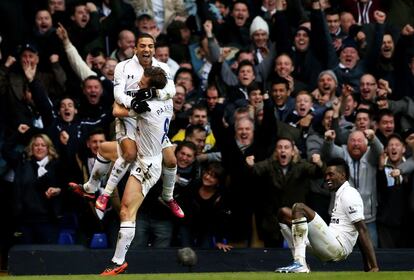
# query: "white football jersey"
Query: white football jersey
{"points": [[127, 75], [348, 209], [153, 127]]}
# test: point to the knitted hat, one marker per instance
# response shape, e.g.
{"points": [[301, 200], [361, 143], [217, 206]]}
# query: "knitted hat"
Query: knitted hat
{"points": [[330, 73], [303, 28], [258, 23], [349, 43]]}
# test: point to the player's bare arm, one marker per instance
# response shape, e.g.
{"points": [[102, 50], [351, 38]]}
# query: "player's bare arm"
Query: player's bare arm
{"points": [[366, 245], [119, 111]]}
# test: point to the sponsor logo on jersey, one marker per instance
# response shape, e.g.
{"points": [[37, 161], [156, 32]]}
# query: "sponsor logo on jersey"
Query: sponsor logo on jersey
{"points": [[352, 210], [131, 93]]}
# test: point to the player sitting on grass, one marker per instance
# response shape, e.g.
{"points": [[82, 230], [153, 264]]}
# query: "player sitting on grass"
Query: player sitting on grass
{"points": [[301, 226]]}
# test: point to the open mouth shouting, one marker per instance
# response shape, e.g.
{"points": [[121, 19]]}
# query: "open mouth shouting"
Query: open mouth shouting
{"points": [[283, 159], [303, 111], [329, 184]]}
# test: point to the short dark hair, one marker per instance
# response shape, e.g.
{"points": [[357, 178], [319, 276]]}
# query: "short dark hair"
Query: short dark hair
{"points": [[395, 136], [279, 80], [95, 131], [287, 139], [189, 131], [67, 97], [245, 63], [71, 7], [91, 78], [199, 107], [145, 35], [362, 110], [158, 77], [254, 86], [213, 85], [189, 71], [239, 2], [331, 11], [340, 164], [187, 144], [242, 50], [384, 112]]}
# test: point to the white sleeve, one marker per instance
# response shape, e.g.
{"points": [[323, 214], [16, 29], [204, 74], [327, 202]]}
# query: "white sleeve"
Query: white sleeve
{"points": [[78, 65], [168, 91], [353, 205], [119, 86]]}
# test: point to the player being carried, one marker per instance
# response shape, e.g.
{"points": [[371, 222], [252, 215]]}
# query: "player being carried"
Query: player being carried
{"points": [[146, 170], [302, 227], [129, 92]]}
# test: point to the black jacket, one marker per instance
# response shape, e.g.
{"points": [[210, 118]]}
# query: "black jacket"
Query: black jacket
{"points": [[30, 201]]}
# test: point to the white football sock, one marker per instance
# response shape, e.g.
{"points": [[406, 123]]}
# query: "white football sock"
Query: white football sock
{"points": [[125, 236], [99, 170], [287, 234], [118, 171], [168, 182], [300, 235]]}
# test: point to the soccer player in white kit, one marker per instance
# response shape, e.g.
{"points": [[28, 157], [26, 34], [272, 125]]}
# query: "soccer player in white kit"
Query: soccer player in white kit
{"points": [[301, 226], [145, 171], [127, 93]]}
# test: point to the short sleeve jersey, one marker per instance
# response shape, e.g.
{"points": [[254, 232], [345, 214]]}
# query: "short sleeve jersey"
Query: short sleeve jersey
{"points": [[348, 209], [153, 127]]}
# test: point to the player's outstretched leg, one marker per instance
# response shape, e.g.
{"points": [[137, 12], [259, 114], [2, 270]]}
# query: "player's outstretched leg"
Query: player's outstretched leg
{"points": [[300, 235], [295, 267], [99, 170], [79, 190]]}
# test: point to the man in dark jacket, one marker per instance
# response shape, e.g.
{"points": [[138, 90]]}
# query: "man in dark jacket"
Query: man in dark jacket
{"points": [[286, 179]]}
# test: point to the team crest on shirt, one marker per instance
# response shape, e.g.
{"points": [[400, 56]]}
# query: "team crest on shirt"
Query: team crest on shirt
{"points": [[351, 210]]}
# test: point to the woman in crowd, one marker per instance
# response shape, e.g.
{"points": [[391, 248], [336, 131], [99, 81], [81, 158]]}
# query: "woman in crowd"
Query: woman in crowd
{"points": [[37, 193]]}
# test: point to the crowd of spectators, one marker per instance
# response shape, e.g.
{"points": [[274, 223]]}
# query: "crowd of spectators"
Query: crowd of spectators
{"points": [[267, 90]]}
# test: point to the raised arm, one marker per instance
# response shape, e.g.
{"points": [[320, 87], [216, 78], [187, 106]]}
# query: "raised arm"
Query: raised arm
{"points": [[376, 148], [329, 149], [78, 65]]}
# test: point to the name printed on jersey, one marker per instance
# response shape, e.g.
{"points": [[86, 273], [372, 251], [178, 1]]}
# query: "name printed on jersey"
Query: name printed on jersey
{"points": [[334, 221], [165, 108]]}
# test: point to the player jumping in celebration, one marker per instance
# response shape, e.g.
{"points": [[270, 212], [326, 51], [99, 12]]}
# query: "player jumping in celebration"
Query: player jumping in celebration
{"points": [[127, 93], [146, 170], [301, 226]]}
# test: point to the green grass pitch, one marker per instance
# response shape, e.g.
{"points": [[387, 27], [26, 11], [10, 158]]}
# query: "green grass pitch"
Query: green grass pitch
{"points": [[397, 275]]}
